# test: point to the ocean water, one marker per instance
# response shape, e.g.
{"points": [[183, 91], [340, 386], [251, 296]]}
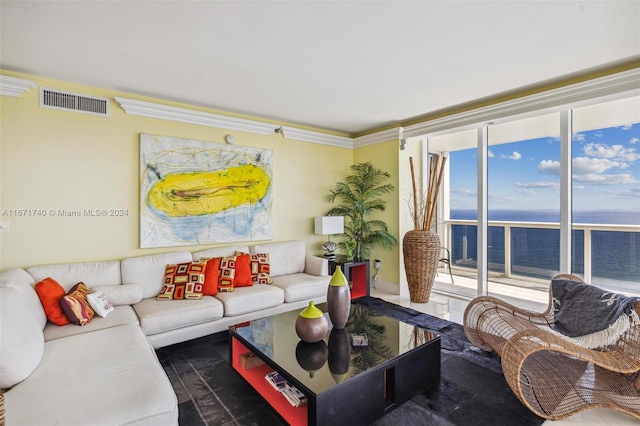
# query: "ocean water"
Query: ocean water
{"points": [[594, 217], [536, 252]]}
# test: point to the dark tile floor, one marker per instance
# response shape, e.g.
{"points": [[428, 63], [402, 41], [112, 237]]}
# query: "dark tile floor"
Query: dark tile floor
{"points": [[210, 393]]}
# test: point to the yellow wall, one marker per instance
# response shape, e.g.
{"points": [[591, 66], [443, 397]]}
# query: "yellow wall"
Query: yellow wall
{"points": [[385, 156], [52, 159]]}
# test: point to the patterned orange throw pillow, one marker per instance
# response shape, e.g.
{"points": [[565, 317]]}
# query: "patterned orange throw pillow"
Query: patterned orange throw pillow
{"points": [[260, 268], [183, 281], [227, 275], [76, 306]]}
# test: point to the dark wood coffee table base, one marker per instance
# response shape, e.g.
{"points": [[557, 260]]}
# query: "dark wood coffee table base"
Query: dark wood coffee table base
{"points": [[359, 400]]}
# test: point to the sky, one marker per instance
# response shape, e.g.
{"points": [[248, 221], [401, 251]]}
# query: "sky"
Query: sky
{"points": [[524, 175]]}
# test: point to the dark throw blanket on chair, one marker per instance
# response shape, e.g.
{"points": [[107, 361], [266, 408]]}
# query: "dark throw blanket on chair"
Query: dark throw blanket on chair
{"points": [[580, 309]]}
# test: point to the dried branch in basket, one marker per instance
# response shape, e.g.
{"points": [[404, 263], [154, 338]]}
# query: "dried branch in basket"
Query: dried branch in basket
{"points": [[424, 213], [415, 192]]}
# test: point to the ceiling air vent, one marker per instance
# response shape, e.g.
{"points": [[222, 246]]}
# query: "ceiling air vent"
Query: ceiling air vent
{"points": [[56, 99]]}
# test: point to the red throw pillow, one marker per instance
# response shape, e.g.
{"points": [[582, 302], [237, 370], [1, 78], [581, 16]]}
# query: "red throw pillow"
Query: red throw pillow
{"points": [[50, 292], [243, 271], [211, 277]]}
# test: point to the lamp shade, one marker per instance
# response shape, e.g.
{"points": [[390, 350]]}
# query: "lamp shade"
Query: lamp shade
{"points": [[329, 225]]}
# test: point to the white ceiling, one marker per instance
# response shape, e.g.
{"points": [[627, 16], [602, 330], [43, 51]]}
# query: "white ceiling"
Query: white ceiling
{"points": [[350, 66]]}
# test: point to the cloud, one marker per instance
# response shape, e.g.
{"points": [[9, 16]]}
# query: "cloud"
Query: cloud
{"points": [[578, 137], [633, 141], [601, 179], [582, 165], [627, 127], [590, 171], [617, 152], [490, 154], [549, 167], [546, 185], [465, 192], [499, 198], [515, 156], [527, 192], [631, 192]]}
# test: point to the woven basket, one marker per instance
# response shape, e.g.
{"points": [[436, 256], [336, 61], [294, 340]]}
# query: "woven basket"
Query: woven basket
{"points": [[421, 250]]}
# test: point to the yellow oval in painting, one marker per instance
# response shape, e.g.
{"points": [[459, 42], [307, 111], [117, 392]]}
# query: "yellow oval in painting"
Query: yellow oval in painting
{"points": [[201, 193]]}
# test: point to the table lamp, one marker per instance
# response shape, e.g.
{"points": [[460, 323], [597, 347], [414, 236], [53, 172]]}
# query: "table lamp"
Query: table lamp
{"points": [[329, 225]]}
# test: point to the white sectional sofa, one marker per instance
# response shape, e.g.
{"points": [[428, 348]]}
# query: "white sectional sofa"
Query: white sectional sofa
{"points": [[106, 372]]}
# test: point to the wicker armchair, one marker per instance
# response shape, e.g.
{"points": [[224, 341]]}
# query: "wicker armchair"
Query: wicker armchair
{"points": [[553, 377]]}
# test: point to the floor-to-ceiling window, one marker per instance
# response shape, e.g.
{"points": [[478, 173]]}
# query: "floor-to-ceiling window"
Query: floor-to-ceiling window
{"points": [[525, 201], [606, 193], [457, 212]]}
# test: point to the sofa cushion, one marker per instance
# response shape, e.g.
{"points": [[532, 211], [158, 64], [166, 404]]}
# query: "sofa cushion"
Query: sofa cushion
{"points": [[122, 294], [183, 281], [121, 315], [219, 252], [70, 274], [21, 336], [286, 257], [113, 377], [157, 316], [50, 292], [301, 286], [148, 271], [250, 299], [24, 283], [76, 306]]}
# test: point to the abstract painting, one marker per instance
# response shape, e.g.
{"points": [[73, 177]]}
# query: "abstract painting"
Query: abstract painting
{"points": [[195, 192]]}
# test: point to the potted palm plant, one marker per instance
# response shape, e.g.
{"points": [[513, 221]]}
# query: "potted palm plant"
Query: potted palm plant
{"points": [[360, 195]]}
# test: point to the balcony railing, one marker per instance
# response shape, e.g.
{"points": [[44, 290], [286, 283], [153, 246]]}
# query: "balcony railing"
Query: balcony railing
{"points": [[606, 255]]}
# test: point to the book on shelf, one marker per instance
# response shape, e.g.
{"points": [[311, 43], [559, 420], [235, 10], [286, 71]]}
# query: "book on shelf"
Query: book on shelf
{"points": [[276, 380], [293, 395]]}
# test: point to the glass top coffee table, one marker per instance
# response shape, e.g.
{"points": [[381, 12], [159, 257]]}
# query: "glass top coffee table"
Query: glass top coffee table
{"points": [[354, 376]]}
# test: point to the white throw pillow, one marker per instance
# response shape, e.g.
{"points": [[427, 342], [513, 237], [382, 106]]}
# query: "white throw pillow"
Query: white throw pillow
{"points": [[100, 303]]}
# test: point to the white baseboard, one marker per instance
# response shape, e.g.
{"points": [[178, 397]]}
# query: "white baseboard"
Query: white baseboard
{"points": [[386, 286]]}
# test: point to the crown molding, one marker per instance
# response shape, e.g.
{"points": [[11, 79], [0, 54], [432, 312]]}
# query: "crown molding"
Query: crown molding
{"points": [[378, 137], [183, 115], [316, 137], [14, 87], [597, 90]]}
